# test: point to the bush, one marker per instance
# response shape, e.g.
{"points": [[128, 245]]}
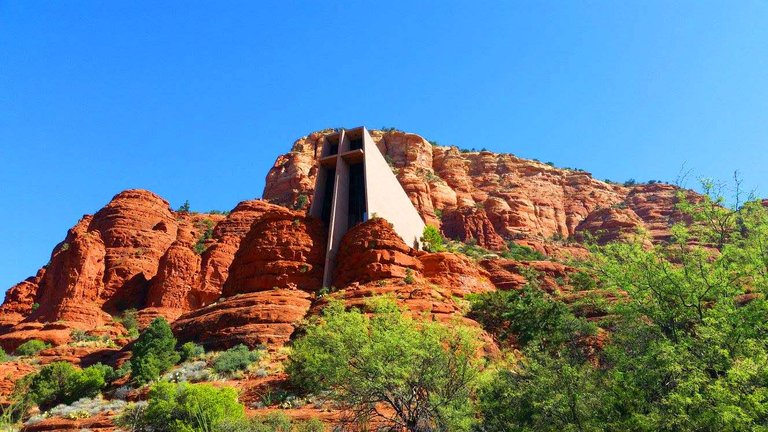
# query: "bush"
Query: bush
{"points": [[31, 347], [235, 359], [62, 383], [3, 355], [366, 363], [154, 352], [190, 351], [129, 320], [522, 253], [272, 422], [184, 408], [207, 226], [432, 240]]}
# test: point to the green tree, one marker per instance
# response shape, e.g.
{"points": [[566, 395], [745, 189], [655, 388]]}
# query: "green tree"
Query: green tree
{"points": [[153, 352], [184, 407], [62, 383], [688, 345], [432, 240], [31, 347], [237, 358], [190, 351], [423, 372]]}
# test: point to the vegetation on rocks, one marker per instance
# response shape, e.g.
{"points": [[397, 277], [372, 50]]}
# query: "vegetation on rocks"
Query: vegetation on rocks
{"points": [[31, 347], [183, 408], [422, 372], [688, 349], [235, 359], [153, 352]]}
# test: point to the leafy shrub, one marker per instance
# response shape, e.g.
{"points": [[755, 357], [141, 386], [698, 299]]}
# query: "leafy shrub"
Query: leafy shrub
{"points": [[522, 253], [272, 422], [82, 336], [190, 351], [207, 226], [529, 315], [153, 352], [3, 355], [31, 347], [235, 359], [409, 279], [184, 408], [129, 320], [630, 182], [367, 362], [301, 202], [432, 240], [62, 383]]}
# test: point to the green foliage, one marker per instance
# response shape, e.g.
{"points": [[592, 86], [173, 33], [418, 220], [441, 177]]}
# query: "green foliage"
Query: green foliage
{"points": [[153, 352], [31, 347], [207, 226], [630, 182], [237, 358], [272, 422], [423, 372], [3, 355], [19, 402], [301, 202], [529, 316], [190, 351], [439, 214], [185, 408], [688, 345], [522, 253], [409, 279], [432, 240], [184, 208], [35, 306], [129, 320], [61, 383]]}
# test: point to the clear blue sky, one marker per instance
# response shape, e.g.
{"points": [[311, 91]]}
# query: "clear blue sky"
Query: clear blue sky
{"points": [[194, 100]]}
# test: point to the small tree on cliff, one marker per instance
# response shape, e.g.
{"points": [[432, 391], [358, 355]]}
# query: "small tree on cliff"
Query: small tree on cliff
{"points": [[154, 352], [432, 239], [421, 373]]}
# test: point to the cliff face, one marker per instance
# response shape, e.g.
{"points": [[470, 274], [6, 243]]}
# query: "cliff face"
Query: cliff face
{"points": [[252, 275], [486, 196]]}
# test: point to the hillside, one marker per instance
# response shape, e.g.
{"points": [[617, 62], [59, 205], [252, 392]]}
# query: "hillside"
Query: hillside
{"points": [[253, 275]]}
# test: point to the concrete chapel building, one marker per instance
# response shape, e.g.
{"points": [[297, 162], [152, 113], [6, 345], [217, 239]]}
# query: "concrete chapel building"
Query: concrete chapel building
{"points": [[355, 183]]}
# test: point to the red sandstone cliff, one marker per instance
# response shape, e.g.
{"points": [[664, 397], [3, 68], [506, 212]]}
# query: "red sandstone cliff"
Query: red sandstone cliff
{"points": [[251, 276], [484, 195]]}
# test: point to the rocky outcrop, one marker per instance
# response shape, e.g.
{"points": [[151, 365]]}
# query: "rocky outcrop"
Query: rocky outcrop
{"points": [[272, 279], [266, 317], [520, 199], [283, 248], [217, 258], [472, 224], [610, 224], [373, 251], [20, 301]]}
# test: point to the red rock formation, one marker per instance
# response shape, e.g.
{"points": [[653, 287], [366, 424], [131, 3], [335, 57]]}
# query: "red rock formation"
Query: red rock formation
{"points": [[266, 317], [218, 257], [268, 291], [19, 301], [372, 251], [522, 199], [282, 248], [610, 224], [469, 223]]}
